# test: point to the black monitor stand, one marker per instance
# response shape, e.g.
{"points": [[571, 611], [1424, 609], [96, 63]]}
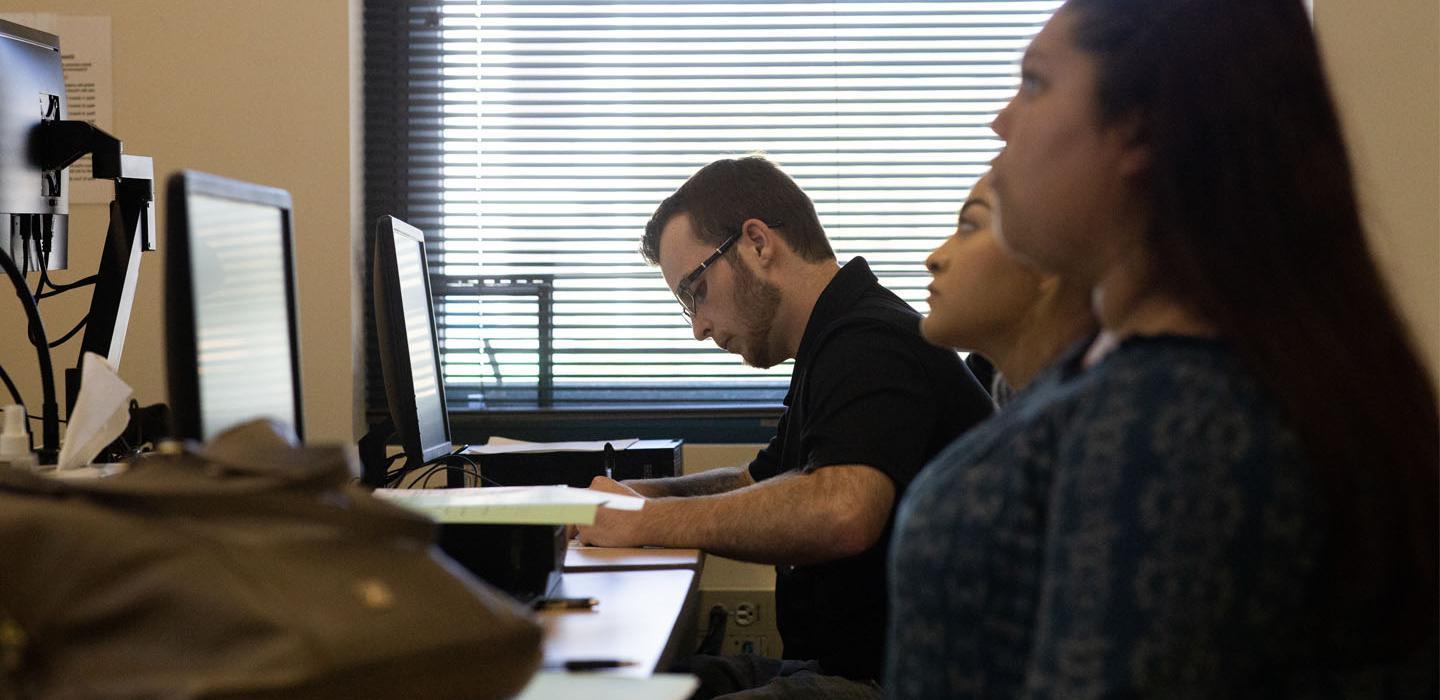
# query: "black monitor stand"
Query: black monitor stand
{"points": [[374, 464], [132, 222], [58, 144], [372, 453]]}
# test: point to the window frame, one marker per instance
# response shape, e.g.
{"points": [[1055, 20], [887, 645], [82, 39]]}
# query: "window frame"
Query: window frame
{"points": [[396, 33]]}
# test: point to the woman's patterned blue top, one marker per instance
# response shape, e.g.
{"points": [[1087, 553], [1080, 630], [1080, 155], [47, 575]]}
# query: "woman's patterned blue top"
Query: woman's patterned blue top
{"points": [[1142, 528]]}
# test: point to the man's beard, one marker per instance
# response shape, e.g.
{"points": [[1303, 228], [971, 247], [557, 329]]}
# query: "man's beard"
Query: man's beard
{"points": [[758, 302]]}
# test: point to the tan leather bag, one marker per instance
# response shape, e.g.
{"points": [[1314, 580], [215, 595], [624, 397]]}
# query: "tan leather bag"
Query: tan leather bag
{"points": [[253, 569]]}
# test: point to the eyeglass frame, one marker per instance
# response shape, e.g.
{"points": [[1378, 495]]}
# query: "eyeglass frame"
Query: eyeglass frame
{"points": [[683, 289]]}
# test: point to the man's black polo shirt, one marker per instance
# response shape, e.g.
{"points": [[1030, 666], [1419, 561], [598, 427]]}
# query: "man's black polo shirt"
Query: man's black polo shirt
{"points": [[866, 389]]}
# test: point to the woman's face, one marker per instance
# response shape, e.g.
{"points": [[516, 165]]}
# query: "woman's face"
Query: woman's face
{"points": [[1063, 174], [979, 294]]}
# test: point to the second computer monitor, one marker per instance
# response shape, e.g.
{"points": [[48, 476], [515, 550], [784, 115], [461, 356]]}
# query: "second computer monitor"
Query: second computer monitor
{"points": [[409, 347], [232, 346]]}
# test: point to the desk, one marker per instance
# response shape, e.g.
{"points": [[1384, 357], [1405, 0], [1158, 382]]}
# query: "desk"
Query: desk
{"points": [[645, 616], [585, 558]]}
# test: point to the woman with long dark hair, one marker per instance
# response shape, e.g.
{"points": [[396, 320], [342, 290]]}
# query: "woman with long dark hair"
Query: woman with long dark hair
{"points": [[1234, 491], [984, 300]]}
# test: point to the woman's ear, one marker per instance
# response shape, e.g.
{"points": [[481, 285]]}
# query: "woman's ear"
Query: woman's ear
{"points": [[1134, 141]]}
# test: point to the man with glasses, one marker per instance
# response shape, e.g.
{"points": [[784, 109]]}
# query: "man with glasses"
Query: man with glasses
{"points": [[869, 403]]}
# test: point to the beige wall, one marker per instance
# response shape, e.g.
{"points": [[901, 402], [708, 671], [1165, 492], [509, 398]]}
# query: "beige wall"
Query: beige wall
{"points": [[267, 90], [721, 573], [258, 90], [1384, 63]]}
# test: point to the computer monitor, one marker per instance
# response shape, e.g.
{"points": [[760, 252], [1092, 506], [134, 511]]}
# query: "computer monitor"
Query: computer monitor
{"points": [[408, 343], [34, 203], [232, 346]]}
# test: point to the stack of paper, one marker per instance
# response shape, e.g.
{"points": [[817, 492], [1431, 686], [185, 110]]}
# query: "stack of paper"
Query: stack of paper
{"points": [[515, 505], [500, 445], [558, 685]]}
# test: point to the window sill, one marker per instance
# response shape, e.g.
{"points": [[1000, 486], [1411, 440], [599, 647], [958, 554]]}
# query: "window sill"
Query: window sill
{"points": [[709, 426]]}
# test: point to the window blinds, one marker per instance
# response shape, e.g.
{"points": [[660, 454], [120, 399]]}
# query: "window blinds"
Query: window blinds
{"points": [[532, 140]]}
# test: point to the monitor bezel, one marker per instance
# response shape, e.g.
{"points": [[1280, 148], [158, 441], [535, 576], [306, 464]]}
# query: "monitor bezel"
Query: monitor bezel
{"points": [[391, 333], [181, 343]]}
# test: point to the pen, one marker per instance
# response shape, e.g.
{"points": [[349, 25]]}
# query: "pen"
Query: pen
{"points": [[595, 664], [609, 461], [565, 603]]}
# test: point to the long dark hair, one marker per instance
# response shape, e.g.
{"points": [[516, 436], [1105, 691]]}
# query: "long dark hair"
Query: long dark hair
{"points": [[1255, 224]]}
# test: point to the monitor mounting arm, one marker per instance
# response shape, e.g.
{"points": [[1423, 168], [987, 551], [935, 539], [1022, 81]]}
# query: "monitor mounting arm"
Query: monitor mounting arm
{"points": [[59, 143]]}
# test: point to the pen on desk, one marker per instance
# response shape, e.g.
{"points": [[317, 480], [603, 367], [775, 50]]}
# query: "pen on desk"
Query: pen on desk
{"points": [[596, 664], [565, 603], [609, 461]]}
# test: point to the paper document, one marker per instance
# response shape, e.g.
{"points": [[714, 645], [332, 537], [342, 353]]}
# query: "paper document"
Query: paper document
{"points": [[516, 505], [559, 685], [506, 445]]}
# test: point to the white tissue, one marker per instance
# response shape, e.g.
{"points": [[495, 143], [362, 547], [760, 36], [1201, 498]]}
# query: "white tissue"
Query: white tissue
{"points": [[101, 413]]}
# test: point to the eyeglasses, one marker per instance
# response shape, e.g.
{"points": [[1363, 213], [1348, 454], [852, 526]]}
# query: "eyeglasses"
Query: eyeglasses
{"points": [[684, 292]]}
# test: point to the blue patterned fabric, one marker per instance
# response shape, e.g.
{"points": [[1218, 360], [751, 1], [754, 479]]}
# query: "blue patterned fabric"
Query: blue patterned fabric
{"points": [[1142, 528]]}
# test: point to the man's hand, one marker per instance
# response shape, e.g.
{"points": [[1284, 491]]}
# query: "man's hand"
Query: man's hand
{"points": [[608, 485], [795, 518], [612, 528]]}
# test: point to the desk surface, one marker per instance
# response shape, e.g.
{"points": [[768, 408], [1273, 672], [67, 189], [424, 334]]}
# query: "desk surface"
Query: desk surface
{"points": [[637, 619], [587, 558]]}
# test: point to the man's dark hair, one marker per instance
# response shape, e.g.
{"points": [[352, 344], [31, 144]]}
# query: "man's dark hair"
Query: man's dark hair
{"points": [[727, 193], [1254, 222]]}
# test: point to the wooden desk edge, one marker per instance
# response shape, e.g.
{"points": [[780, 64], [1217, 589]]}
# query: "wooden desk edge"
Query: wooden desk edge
{"points": [[698, 565]]}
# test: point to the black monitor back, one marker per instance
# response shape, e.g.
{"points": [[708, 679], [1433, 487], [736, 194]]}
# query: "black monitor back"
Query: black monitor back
{"points": [[408, 342], [232, 342], [32, 89]]}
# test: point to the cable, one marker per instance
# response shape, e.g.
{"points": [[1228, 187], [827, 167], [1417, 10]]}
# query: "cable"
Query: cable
{"points": [[14, 392], [440, 463], [71, 333], [44, 235], [62, 420], [24, 246], [60, 288], [469, 468], [43, 231], [424, 479], [49, 408], [394, 476], [480, 477]]}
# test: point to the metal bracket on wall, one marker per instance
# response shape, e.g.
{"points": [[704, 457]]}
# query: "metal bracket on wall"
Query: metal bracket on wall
{"points": [[542, 288]]}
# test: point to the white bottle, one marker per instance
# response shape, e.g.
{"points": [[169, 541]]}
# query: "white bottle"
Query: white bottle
{"points": [[15, 440]]}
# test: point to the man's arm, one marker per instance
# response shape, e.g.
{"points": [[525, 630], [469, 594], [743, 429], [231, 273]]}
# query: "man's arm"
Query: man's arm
{"points": [[796, 518], [704, 483]]}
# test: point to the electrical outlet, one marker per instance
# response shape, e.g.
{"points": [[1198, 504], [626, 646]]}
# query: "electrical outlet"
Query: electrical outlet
{"points": [[749, 620], [758, 644], [746, 614]]}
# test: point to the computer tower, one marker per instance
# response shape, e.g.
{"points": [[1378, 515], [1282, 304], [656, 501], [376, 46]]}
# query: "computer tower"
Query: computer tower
{"points": [[642, 459]]}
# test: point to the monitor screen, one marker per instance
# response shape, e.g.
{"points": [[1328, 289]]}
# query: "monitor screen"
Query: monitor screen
{"points": [[409, 347], [230, 314]]}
